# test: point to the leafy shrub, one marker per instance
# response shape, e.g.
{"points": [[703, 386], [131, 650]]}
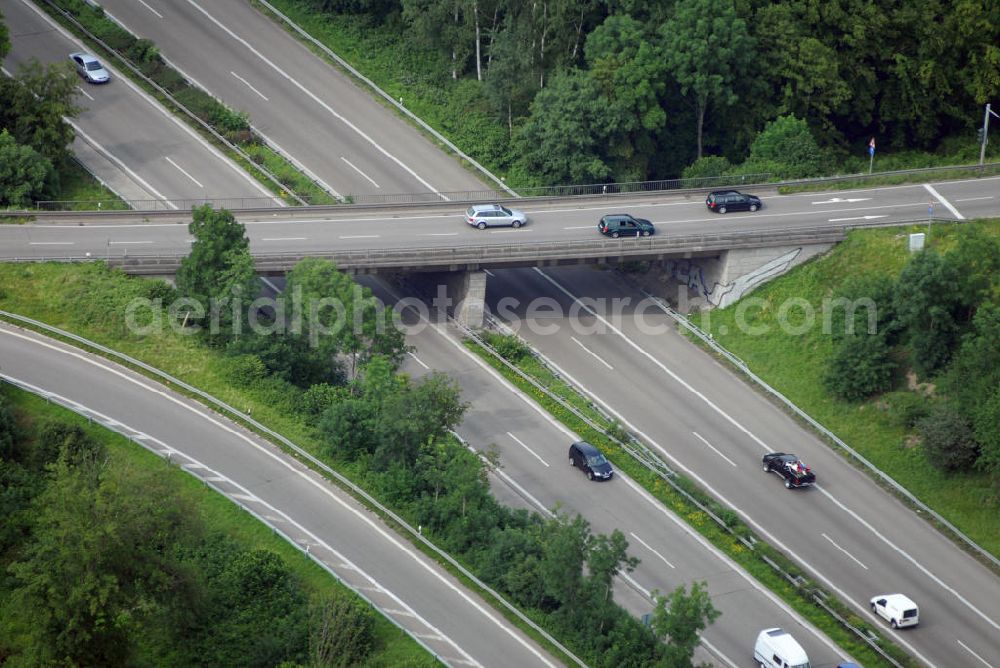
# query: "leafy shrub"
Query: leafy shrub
{"points": [[342, 632], [787, 143], [246, 370], [860, 367], [508, 346], [907, 408], [318, 398], [947, 439], [704, 168]]}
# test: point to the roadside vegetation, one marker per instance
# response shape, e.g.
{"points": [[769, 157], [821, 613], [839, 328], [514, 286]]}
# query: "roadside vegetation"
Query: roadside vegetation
{"points": [[335, 391], [597, 92], [916, 390], [111, 556]]}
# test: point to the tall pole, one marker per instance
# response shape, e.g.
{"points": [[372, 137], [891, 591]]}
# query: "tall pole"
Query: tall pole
{"points": [[986, 129]]}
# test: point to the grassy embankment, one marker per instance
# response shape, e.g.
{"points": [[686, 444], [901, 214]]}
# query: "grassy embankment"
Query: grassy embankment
{"points": [[392, 647]]}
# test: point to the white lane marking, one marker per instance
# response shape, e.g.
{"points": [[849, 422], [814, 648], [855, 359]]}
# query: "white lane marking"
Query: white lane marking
{"points": [[683, 526], [284, 238], [317, 100], [419, 361], [322, 485], [837, 200], [127, 243], [244, 495], [649, 547], [839, 220], [714, 449], [856, 560], [596, 356], [511, 231], [973, 199], [122, 166], [488, 272], [269, 283], [51, 243], [158, 14], [440, 234], [947, 204], [85, 93], [355, 168], [969, 650], [359, 236], [249, 85], [521, 443], [184, 172], [701, 481]]}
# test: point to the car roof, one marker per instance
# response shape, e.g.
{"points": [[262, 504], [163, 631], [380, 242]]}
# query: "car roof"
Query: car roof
{"points": [[485, 207], [83, 56], [899, 600], [788, 646], [724, 192], [586, 448]]}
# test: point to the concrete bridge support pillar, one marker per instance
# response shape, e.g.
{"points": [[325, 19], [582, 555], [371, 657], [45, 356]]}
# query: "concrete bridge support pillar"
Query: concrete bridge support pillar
{"points": [[466, 292]]}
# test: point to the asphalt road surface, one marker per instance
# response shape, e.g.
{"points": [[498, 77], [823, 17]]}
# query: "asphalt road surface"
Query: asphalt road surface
{"points": [[142, 151], [443, 226], [460, 627], [855, 538], [333, 128]]}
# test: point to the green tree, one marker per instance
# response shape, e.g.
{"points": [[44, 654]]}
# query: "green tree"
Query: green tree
{"points": [[985, 418], [8, 430], [564, 553], [35, 104], [679, 619], [342, 632], [4, 38], [927, 297], [23, 172], [947, 439], [976, 262], [708, 49], [418, 413], [860, 367], [788, 143], [975, 370], [99, 564], [218, 274]]}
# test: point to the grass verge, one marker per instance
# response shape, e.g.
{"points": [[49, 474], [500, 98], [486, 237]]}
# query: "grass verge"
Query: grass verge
{"points": [[721, 527], [393, 647]]}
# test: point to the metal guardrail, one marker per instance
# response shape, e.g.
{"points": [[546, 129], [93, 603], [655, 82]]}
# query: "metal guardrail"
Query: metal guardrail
{"points": [[880, 474], [240, 416], [618, 190]]}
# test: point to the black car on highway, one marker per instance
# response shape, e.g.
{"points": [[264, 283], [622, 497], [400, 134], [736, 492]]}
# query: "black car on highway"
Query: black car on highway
{"points": [[623, 225], [589, 459], [790, 468], [723, 201]]}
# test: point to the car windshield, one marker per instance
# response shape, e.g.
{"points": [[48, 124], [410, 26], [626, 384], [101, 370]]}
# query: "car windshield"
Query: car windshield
{"points": [[506, 211], [94, 65], [596, 460], [802, 665]]}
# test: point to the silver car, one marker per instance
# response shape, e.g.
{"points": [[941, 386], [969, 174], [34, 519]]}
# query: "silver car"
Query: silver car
{"points": [[90, 68], [488, 215]]}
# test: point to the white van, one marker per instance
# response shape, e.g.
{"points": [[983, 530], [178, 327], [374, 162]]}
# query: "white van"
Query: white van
{"points": [[897, 609], [776, 648]]}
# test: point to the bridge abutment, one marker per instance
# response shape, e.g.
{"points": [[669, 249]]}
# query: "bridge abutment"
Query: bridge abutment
{"points": [[466, 294]]}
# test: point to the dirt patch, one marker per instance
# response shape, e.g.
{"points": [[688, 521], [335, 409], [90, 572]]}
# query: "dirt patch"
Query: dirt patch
{"points": [[926, 389]]}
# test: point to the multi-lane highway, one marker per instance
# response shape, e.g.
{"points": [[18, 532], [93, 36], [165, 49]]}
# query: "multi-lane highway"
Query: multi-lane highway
{"points": [[137, 146], [852, 536]]}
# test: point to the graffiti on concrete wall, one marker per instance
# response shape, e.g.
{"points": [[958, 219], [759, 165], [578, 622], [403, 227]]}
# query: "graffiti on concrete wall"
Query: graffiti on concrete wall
{"points": [[693, 274]]}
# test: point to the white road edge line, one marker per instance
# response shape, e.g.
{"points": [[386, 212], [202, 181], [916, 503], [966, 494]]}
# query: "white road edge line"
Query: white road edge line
{"points": [[283, 238], [714, 449], [419, 361], [648, 547], [359, 236], [595, 355], [855, 559], [948, 205], [973, 199], [128, 243], [79, 88], [51, 243], [158, 14], [323, 486], [533, 453], [122, 166]]}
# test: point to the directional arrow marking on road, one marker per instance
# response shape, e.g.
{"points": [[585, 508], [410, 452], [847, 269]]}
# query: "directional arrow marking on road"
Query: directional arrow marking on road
{"points": [[838, 200], [839, 220]]}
